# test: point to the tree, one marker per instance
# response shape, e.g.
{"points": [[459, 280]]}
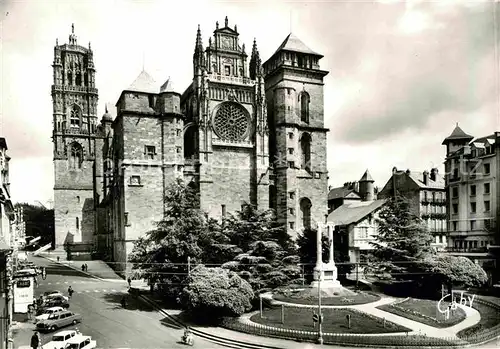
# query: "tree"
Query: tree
{"points": [[39, 221], [451, 270], [250, 225], [161, 255], [402, 244], [213, 293]]}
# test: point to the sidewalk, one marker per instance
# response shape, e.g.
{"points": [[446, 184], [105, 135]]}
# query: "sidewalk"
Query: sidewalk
{"points": [[96, 268]]}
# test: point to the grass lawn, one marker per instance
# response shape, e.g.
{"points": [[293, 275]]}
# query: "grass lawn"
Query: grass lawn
{"points": [[490, 317], [359, 298], [425, 311], [334, 321]]}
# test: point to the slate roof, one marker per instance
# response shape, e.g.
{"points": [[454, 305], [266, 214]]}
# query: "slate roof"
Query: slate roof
{"points": [[354, 212], [168, 86], [294, 44], [457, 133], [367, 177], [340, 192], [143, 83], [418, 178]]}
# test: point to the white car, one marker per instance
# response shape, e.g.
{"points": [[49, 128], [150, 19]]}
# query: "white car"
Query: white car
{"points": [[80, 342], [60, 339], [47, 312]]}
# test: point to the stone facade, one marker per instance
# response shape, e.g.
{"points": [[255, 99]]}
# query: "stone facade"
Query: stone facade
{"points": [[242, 132], [75, 131]]}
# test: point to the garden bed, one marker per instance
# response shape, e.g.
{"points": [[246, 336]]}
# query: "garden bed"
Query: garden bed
{"points": [[299, 298], [490, 317], [334, 321], [425, 311]]}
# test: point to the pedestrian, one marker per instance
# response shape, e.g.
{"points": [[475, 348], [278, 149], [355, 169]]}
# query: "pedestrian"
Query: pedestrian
{"points": [[129, 282], [58, 258], [83, 267], [30, 312], [35, 340], [70, 292], [35, 307], [86, 267]]}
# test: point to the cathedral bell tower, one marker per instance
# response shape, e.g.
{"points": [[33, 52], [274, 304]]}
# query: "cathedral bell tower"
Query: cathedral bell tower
{"points": [[74, 98], [297, 140]]}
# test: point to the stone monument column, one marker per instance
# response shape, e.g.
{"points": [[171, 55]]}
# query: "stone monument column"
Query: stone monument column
{"points": [[330, 240]]}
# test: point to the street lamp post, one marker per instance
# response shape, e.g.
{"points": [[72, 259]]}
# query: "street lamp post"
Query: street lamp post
{"points": [[320, 315], [319, 265]]}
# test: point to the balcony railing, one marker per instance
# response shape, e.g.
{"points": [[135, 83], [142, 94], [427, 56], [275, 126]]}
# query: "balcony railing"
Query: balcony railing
{"points": [[467, 250], [76, 131], [84, 89]]}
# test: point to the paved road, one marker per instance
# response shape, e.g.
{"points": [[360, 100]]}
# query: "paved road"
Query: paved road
{"points": [[137, 326]]}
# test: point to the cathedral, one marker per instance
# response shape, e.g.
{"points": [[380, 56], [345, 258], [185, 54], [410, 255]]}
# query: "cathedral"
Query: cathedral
{"points": [[242, 132]]}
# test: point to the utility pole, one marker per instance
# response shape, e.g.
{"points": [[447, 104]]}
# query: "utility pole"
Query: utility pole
{"points": [[320, 276]]}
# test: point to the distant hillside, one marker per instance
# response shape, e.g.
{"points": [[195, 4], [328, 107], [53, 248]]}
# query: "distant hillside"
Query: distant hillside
{"points": [[39, 222]]}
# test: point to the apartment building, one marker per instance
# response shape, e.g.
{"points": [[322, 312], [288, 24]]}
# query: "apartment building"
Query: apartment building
{"points": [[426, 194], [472, 172]]}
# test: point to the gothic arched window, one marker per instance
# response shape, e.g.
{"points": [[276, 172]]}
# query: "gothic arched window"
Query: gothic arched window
{"points": [[190, 142], [76, 157], [304, 107], [305, 209], [305, 154], [74, 118]]}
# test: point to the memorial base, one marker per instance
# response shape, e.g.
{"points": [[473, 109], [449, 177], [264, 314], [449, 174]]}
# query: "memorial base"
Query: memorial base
{"points": [[329, 284]]}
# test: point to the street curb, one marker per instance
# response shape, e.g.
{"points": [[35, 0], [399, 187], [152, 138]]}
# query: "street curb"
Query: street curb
{"points": [[227, 342], [77, 269]]}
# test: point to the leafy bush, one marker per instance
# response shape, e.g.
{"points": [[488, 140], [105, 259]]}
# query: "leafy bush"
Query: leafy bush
{"points": [[213, 293]]}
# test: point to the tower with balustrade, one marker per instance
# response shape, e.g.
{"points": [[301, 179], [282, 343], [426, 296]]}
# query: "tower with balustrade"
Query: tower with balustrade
{"points": [[75, 129]]}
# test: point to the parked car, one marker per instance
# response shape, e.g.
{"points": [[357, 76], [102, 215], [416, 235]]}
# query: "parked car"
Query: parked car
{"points": [[47, 312], [81, 342], [56, 301], [60, 339], [58, 320], [56, 295], [48, 293]]}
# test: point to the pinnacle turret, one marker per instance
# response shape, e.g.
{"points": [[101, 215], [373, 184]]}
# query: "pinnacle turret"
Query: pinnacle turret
{"points": [[255, 62]]}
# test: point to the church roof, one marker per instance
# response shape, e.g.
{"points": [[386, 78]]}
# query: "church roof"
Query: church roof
{"points": [[168, 86], [457, 133], [367, 177], [143, 83], [294, 44]]}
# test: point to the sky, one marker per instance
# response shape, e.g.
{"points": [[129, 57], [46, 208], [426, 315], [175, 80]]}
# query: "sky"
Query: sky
{"points": [[401, 74]]}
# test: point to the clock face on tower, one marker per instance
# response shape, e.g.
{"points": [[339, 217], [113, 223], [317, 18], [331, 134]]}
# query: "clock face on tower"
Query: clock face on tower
{"points": [[226, 42]]}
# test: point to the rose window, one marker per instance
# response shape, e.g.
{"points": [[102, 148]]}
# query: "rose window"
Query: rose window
{"points": [[231, 122]]}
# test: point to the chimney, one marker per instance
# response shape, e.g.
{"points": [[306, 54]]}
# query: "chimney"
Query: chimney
{"points": [[329, 187], [434, 173], [408, 171], [394, 170], [426, 177]]}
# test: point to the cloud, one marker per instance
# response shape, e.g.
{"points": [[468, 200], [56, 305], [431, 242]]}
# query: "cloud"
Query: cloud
{"points": [[446, 67]]}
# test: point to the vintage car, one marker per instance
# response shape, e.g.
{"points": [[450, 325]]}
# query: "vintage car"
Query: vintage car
{"points": [[47, 311], [81, 342], [54, 294], [58, 320], [55, 301], [60, 339]]}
